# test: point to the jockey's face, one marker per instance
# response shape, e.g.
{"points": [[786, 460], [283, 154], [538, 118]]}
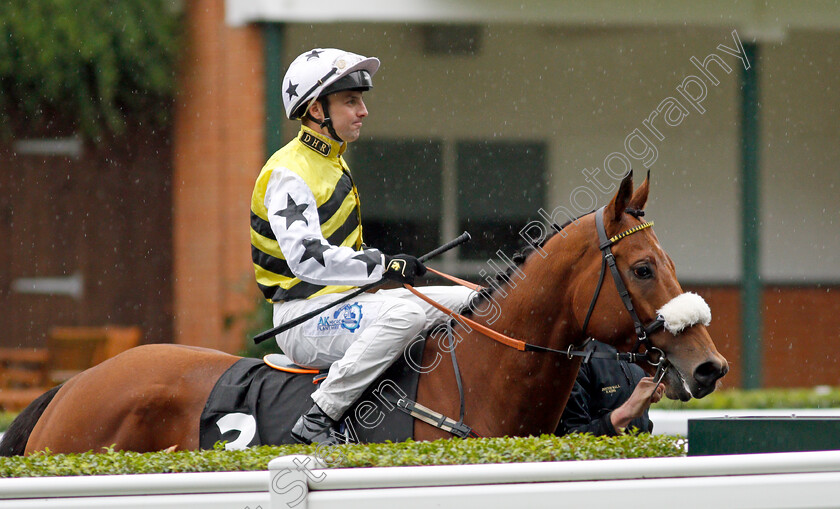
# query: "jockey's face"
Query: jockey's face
{"points": [[347, 109]]}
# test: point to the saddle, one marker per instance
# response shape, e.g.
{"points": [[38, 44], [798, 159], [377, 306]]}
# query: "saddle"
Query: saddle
{"points": [[283, 363], [257, 401]]}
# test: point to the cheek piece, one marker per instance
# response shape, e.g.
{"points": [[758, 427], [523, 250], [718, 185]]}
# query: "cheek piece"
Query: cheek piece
{"points": [[678, 314]]}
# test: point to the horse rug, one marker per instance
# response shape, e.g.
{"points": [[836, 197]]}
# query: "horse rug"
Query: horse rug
{"points": [[255, 404]]}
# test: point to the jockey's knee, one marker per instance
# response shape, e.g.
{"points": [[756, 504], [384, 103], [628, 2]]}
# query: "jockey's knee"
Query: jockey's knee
{"points": [[406, 317]]}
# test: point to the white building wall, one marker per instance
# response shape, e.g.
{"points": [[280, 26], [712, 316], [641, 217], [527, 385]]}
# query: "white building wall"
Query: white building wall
{"points": [[800, 158], [584, 90]]}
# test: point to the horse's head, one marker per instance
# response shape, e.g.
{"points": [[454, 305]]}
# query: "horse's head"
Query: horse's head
{"points": [[694, 364]]}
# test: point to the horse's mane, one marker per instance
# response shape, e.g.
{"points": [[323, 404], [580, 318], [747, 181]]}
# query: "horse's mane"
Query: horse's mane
{"points": [[503, 278], [519, 257]]}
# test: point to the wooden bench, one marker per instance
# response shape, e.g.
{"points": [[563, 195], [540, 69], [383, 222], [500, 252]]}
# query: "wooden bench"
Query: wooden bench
{"points": [[24, 376], [75, 349], [26, 373]]}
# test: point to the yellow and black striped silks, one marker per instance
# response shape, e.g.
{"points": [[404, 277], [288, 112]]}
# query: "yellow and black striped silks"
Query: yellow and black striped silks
{"points": [[317, 160]]}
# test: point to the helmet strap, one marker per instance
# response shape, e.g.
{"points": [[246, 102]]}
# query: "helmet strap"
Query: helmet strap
{"points": [[327, 122]]}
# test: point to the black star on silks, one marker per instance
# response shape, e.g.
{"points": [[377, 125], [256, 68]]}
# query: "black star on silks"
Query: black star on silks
{"points": [[313, 54], [370, 258], [293, 212], [291, 90], [314, 249]]}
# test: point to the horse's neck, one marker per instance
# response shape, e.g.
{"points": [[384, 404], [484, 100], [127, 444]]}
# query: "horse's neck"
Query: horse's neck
{"points": [[507, 391]]}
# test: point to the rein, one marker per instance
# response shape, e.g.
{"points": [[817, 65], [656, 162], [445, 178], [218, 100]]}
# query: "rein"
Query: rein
{"points": [[518, 344], [608, 260]]}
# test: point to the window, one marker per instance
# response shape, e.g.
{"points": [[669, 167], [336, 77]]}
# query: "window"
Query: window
{"points": [[399, 183], [501, 186], [493, 189]]}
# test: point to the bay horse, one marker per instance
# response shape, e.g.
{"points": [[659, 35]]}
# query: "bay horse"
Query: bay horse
{"points": [[151, 397]]}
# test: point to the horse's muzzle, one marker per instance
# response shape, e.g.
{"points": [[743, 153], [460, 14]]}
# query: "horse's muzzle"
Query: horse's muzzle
{"points": [[707, 374]]}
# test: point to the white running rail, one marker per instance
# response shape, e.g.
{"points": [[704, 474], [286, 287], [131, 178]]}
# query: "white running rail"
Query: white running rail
{"points": [[210, 490], [777, 480]]}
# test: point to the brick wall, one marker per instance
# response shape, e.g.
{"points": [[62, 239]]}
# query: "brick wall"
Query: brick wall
{"points": [[219, 150], [801, 336], [800, 331]]}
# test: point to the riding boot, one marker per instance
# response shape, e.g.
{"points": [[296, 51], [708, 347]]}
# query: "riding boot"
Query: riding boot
{"points": [[315, 427]]}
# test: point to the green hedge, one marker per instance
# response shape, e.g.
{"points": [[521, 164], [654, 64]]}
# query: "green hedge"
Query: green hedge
{"points": [[816, 397], [440, 452], [6, 419]]}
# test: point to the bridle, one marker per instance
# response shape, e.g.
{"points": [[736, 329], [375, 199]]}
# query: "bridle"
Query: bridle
{"points": [[642, 331], [608, 260]]}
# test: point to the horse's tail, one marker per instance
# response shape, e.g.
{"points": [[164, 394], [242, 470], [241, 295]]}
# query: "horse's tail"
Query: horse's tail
{"points": [[15, 438]]}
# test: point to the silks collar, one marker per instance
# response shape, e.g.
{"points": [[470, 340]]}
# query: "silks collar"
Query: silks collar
{"points": [[324, 145]]}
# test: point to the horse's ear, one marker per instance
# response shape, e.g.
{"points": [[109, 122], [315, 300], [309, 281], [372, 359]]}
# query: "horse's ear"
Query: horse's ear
{"points": [[619, 202], [639, 199]]}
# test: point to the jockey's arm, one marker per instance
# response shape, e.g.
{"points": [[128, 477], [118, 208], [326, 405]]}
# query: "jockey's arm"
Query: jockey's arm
{"points": [[293, 215]]}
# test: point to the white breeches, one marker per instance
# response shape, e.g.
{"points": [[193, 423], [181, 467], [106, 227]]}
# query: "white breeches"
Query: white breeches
{"points": [[359, 339]]}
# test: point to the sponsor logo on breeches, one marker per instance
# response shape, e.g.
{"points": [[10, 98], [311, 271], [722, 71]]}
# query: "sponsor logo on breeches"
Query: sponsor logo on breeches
{"points": [[347, 317]]}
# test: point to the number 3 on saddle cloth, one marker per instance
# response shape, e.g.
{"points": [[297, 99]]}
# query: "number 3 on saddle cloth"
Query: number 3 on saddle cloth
{"points": [[257, 401]]}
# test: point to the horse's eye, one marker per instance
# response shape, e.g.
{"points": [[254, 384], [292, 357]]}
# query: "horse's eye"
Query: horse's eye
{"points": [[643, 272]]}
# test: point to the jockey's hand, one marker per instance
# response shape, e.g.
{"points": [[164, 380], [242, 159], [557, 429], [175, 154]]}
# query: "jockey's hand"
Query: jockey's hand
{"points": [[403, 268]]}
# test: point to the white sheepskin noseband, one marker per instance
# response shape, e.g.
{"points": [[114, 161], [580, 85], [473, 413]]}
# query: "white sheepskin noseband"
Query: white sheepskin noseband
{"points": [[685, 310]]}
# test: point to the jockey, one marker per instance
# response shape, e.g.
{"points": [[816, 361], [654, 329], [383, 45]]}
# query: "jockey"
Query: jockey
{"points": [[306, 245]]}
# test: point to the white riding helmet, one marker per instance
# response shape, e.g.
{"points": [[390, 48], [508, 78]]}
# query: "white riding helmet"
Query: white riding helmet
{"points": [[315, 73]]}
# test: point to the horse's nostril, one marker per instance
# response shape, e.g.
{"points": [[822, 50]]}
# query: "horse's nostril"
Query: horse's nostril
{"points": [[708, 373]]}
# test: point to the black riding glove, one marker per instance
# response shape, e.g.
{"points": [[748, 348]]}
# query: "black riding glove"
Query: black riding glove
{"points": [[402, 268]]}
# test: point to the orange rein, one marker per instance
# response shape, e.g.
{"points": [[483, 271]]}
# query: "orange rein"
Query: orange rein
{"points": [[467, 322], [522, 346]]}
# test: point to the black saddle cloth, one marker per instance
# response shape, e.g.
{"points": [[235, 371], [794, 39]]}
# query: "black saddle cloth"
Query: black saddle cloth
{"points": [[255, 404]]}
